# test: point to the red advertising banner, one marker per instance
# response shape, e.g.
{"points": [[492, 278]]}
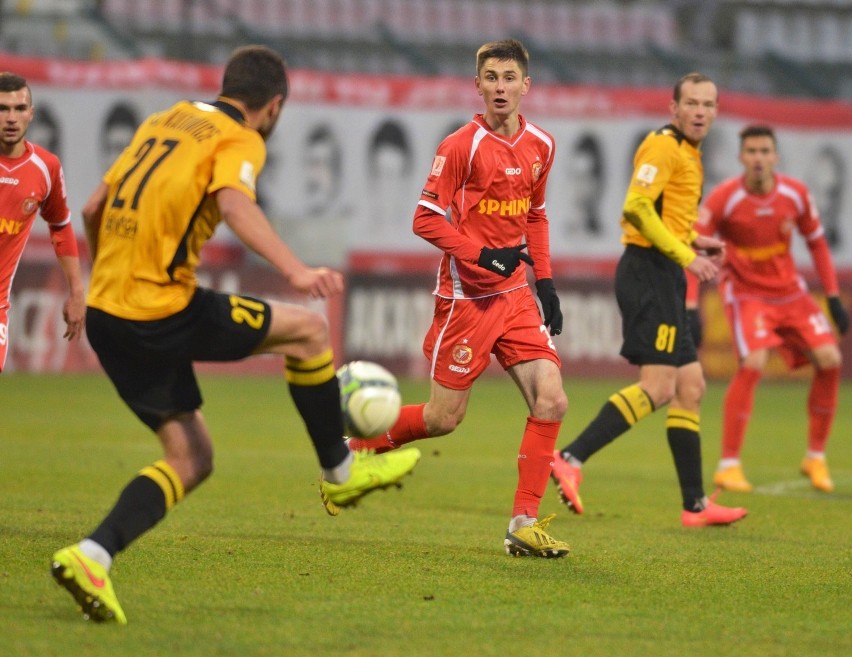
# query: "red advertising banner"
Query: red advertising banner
{"points": [[383, 315], [36, 325], [389, 308], [417, 93]]}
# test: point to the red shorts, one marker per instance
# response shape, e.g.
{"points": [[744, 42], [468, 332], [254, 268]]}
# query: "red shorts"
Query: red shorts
{"points": [[4, 337], [465, 332], [793, 327]]}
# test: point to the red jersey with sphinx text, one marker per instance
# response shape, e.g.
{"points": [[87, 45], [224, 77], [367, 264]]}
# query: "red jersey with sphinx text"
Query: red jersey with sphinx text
{"points": [[494, 186], [31, 184], [758, 230]]}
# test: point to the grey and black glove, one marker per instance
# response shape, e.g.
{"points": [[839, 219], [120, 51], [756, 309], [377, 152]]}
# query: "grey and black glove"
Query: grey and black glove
{"points": [[503, 260], [549, 305], [838, 314]]}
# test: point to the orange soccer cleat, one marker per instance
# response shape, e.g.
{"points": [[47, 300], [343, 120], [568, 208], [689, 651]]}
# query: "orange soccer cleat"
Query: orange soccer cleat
{"points": [[567, 478]]}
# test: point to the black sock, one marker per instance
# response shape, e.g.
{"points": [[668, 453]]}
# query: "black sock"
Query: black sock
{"points": [[606, 427], [316, 393], [621, 411], [140, 506], [685, 444]]}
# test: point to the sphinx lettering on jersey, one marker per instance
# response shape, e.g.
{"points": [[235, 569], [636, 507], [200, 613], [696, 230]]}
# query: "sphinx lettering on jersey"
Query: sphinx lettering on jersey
{"points": [[10, 226], [503, 208]]}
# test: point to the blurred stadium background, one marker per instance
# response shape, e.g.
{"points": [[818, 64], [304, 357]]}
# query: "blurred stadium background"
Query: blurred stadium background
{"points": [[779, 47], [370, 75]]}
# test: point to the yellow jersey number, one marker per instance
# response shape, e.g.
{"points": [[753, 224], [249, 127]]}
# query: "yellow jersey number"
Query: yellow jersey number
{"points": [[666, 335], [246, 311]]}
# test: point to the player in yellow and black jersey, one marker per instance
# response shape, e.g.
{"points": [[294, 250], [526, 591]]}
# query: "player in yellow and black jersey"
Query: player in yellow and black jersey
{"points": [[186, 170], [659, 212]]}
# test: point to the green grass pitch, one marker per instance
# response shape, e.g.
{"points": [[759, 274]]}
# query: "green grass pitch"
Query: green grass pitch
{"points": [[249, 565]]}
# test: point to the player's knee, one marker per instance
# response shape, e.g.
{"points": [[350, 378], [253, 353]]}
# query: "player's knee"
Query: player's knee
{"points": [[442, 423], [551, 406], [316, 329], [304, 333], [829, 359], [204, 468], [199, 468], [689, 394]]}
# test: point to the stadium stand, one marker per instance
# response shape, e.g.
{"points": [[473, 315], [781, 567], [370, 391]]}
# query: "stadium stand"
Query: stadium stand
{"points": [[781, 47]]}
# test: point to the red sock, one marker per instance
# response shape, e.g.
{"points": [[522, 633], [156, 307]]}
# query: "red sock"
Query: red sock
{"points": [[822, 405], [409, 427], [535, 462], [739, 400]]}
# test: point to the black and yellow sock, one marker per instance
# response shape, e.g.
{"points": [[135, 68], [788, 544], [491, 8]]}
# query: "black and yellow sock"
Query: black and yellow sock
{"points": [[316, 394], [621, 411], [140, 506], [683, 433]]}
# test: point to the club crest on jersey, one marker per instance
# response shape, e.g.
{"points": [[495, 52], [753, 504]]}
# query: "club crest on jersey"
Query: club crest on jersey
{"points": [[438, 165], [536, 170], [462, 354], [29, 205]]}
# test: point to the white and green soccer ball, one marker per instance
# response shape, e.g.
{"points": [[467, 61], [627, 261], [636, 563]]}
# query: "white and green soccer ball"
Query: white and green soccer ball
{"points": [[369, 398]]}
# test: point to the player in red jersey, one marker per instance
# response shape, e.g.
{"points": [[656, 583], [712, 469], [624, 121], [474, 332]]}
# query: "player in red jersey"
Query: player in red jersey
{"points": [[492, 174], [767, 302], [31, 183]]}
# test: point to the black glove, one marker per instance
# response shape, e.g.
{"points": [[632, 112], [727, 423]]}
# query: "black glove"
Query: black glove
{"points": [[694, 319], [504, 260], [549, 305], [838, 314]]}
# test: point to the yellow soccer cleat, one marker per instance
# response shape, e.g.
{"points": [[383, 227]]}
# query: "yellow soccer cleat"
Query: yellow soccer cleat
{"points": [[817, 471], [88, 582], [367, 473], [733, 479], [534, 541]]}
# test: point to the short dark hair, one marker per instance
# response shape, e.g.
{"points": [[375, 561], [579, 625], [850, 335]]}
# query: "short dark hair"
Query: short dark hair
{"points": [[254, 75], [390, 133], [13, 82], [322, 134], [122, 114], [757, 131], [693, 77], [505, 50]]}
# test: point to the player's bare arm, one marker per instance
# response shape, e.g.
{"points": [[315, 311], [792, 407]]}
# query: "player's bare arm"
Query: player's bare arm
{"points": [[93, 212], [250, 225], [74, 308]]}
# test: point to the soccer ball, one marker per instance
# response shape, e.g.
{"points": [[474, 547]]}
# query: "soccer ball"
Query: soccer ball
{"points": [[369, 398]]}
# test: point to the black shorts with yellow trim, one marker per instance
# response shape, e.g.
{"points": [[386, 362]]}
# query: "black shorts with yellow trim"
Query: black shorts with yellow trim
{"points": [[151, 362], [651, 292]]}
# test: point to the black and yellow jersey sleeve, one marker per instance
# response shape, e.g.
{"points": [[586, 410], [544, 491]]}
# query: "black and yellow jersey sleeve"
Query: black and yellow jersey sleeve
{"points": [[160, 208], [667, 170]]}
